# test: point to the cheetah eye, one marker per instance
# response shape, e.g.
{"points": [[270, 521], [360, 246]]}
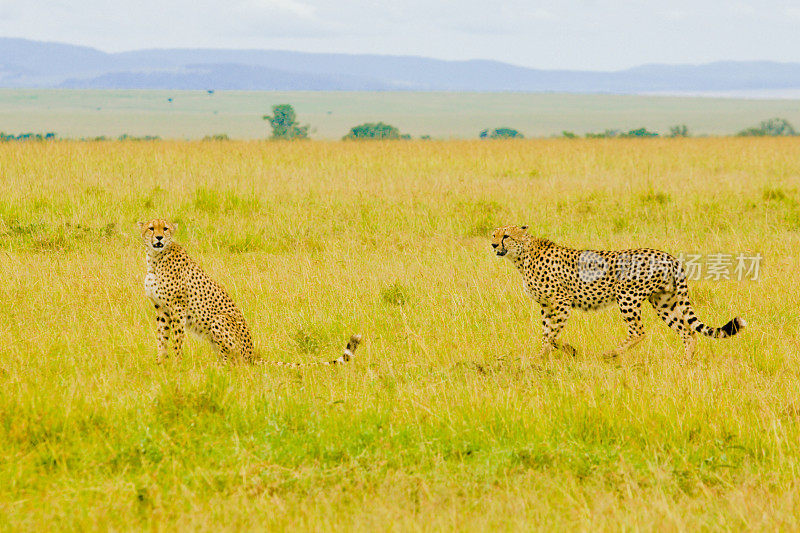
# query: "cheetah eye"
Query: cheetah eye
{"points": [[151, 228]]}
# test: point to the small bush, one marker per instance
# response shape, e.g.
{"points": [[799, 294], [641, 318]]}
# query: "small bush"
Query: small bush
{"points": [[655, 197], [771, 194], [217, 137], [126, 137], [309, 339], [569, 135], [640, 133], [608, 134], [395, 294], [501, 133]]}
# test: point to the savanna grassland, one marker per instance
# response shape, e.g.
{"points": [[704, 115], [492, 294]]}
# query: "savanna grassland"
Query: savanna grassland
{"points": [[331, 114], [448, 418]]}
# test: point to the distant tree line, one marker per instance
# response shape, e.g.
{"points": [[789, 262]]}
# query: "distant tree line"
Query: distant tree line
{"points": [[286, 126], [8, 137], [774, 127]]}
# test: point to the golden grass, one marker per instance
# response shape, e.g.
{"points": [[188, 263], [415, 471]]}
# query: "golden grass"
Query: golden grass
{"points": [[448, 418]]}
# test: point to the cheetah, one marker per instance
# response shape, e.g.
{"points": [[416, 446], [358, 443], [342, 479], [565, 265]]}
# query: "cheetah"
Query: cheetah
{"points": [[186, 298], [561, 279]]}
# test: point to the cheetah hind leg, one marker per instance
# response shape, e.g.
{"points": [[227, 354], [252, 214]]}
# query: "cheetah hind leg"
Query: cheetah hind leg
{"points": [[223, 337], [669, 309]]}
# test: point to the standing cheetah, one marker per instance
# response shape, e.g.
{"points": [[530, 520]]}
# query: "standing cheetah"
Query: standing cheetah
{"points": [[560, 279], [185, 297]]}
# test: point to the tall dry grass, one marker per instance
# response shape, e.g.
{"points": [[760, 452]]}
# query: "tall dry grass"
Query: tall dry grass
{"points": [[448, 418]]}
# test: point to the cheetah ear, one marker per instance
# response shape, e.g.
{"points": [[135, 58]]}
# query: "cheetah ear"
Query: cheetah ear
{"points": [[173, 226], [142, 224]]}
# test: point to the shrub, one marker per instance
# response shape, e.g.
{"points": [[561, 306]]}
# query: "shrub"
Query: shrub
{"points": [[640, 132], [309, 339], [217, 137], [126, 137], [501, 133], [603, 135], [395, 294], [375, 130], [609, 134]]}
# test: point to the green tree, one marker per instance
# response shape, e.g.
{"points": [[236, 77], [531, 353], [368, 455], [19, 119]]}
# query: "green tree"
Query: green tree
{"points": [[774, 127], [375, 130], [501, 133], [639, 132], [284, 123], [681, 130]]}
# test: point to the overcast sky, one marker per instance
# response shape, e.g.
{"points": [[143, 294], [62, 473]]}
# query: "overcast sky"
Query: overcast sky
{"points": [[570, 34]]}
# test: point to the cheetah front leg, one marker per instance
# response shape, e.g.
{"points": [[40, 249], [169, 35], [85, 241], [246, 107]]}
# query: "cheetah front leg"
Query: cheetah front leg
{"points": [[554, 317], [632, 313], [178, 327], [162, 335]]}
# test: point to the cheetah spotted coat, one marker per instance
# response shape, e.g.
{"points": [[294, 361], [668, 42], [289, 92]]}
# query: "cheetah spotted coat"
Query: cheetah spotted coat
{"points": [[186, 298], [561, 279]]}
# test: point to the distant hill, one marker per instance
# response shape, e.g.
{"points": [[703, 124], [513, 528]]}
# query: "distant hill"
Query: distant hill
{"points": [[25, 63], [225, 76]]}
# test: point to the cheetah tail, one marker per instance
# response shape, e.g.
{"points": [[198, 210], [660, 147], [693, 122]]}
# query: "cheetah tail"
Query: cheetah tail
{"points": [[346, 357], [734, 326]]}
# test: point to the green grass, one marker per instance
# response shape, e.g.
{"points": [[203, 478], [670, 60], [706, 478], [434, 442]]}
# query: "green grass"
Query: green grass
{"points": [[196, 114], [448, 418]]}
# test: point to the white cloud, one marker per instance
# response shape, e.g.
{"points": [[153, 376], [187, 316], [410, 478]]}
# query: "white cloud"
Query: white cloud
{"points": [[675, 15], [743, 8], [8, 10], [289, 6]]}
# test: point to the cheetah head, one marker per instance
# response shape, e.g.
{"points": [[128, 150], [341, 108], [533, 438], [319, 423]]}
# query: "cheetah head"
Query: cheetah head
{"points": [[509, 240], [157, 234]]}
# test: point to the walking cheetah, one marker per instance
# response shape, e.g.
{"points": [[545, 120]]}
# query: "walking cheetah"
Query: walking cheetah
{"points": [[186, 298], [560, 279]]}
